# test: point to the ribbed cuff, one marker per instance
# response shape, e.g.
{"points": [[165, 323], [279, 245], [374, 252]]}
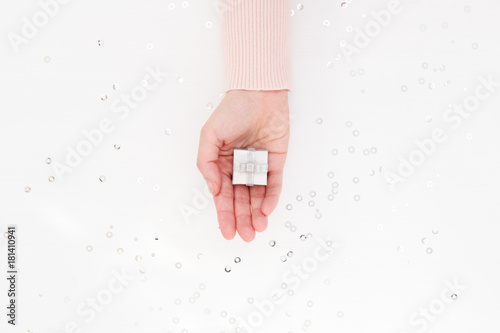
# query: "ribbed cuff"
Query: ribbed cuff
{"points": [[255, 35]]}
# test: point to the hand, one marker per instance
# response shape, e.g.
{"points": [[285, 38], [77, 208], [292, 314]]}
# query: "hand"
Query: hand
{"points": [[257, 119]]}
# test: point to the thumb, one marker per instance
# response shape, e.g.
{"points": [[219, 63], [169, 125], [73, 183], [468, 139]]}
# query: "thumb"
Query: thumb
{"points": [[208, 154]]}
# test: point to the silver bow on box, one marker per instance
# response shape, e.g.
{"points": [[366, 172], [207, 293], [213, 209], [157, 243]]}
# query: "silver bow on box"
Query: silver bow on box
{"points": [[250, 167]]}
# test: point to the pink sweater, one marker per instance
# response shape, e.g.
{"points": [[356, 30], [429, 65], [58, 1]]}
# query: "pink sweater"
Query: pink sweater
{"points": [[255, 35]]}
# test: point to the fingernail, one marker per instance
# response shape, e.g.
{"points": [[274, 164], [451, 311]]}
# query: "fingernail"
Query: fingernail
{"points": [[210, 187]]}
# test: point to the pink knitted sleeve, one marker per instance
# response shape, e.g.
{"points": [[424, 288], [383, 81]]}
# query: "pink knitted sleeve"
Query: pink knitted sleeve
{"points": [[255, 35]]}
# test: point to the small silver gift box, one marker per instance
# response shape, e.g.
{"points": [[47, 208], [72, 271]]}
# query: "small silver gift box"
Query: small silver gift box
{"points": [[250, 167]]}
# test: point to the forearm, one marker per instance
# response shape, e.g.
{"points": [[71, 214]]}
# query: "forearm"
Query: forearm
{"points": [[255, 36]]}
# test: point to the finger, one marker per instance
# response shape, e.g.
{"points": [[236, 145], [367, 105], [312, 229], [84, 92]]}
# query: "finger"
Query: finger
{"points": [[208, 153], [225, 209], [259, 220], [274, 183], [273, 191], [242, 213]]}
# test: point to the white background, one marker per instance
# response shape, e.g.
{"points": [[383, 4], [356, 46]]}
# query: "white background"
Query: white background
{"points": [[381, 274]]}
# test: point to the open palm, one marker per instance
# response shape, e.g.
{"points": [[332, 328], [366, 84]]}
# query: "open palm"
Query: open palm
{"points": [[244, 119]]}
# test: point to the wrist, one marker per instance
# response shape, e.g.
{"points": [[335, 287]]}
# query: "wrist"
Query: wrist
{"points": [[259, 95]]}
